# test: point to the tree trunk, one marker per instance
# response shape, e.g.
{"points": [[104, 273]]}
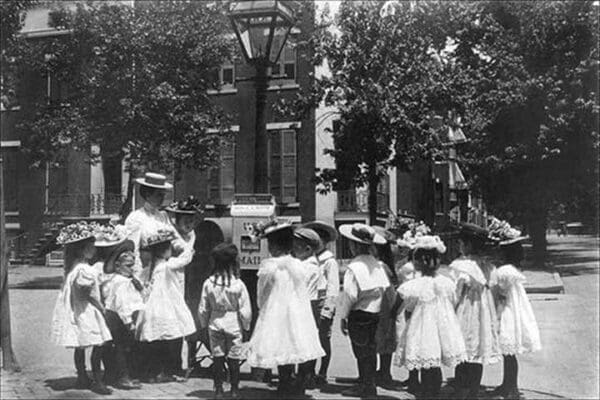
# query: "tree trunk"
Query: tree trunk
{"points": [[9, 361], [127, 206], [537, 230], [372, 198]]}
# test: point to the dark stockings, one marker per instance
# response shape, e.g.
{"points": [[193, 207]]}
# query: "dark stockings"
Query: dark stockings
{"points": [[431, 379], [82, 379], [385, 363], [325, 339], [234, 373], [511, 373], [174, 356], [468, 377], [218, 368]]}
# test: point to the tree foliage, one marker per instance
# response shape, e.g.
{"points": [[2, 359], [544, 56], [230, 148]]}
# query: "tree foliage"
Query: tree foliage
{"points": [[10, 24], [533, 120], [135, 84], [386, 85]]}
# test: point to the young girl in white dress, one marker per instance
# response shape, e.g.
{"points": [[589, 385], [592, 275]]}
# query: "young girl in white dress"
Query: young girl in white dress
{"points": [[78, 319], [475, 310], [165, 319], [518, 330], [432, 336], [285, 333]]}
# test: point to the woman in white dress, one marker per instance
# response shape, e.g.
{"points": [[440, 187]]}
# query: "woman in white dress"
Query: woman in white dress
{"points": [[432, 336], [184, 216], [518, 330], [78, 319], [475, 309], [148, 218], [165, 319], [285, 333]]}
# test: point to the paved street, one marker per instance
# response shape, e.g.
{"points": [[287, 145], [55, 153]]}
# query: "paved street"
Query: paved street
{"points": [[567, 367]]}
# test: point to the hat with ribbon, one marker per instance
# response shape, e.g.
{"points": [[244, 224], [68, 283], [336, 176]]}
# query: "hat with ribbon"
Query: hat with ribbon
{"points": [[389, 237], [263, 229], [325, 231], [190, 206], [361, 233], [110, 235], [503, 233], [469, 230], [76, 232], [430, 242], [154, 180], [156, 237], [415, 230]]}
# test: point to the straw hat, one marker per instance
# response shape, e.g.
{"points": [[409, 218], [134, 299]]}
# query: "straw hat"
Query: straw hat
{"points": [[389, 237], [189, 206], [157, 237], [154, 180], [108, 235], [503, 233], [430, 242], [77, 232], [361, 233], [320, 226], [109, 264]]}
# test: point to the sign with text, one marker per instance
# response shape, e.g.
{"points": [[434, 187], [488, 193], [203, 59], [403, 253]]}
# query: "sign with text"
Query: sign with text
{"points": [[247, 210]]}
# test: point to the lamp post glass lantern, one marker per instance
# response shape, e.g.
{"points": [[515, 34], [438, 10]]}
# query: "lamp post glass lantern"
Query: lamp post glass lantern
{"points": [[262, 28]]}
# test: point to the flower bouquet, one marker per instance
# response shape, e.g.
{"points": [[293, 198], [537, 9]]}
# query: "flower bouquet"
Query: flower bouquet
{"points": [[110, 235]]}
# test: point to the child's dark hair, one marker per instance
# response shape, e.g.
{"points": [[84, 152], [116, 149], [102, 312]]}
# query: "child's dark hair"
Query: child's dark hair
{"points": [[156, 251], [73, 252], [512, 254], [225, 263], [282, 239], [428, 259]]}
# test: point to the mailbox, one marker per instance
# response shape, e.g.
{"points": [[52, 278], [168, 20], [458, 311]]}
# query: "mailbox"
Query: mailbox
{"points": [[248, 209]]}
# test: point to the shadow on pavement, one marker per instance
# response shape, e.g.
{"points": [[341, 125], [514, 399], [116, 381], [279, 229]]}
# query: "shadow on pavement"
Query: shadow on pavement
{"points": [[51, 282], [525, 394], [61, 384]]}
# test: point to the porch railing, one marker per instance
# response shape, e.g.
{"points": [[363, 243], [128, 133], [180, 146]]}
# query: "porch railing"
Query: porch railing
{"points": [[358, 201], [85, 204]]}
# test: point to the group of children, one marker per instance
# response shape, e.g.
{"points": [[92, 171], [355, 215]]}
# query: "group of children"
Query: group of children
{"points": [[396, 304]]}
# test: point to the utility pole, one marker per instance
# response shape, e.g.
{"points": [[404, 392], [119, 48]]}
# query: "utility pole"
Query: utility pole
{"points": [[9, 361]]}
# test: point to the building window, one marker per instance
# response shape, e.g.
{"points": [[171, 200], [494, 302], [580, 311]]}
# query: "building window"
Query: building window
{"points": [[227, 76], [10, 159], [221, 183], [282, 165], [284, 71]]}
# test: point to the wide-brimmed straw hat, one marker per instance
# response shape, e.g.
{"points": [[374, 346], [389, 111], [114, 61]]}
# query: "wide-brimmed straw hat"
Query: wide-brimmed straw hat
{"points": [[389, 237], [77, 232], [188, 206], [361, 233], [109, 264], [154, 180], [469, 230], [322, 227], [503, 233], [109, 235], [430, 242], [157, 237]]}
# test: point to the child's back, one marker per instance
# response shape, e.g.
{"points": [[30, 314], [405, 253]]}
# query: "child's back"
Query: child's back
{"points": [[225, 304]]}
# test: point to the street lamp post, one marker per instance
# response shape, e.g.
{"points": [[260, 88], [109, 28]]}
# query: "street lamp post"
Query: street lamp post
{"points": [[262, 28]]}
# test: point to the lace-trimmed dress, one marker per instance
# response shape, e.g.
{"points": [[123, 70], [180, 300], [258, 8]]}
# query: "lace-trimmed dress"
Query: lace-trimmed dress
{"points": [[285, 332], [165, 315], [432, 336], [518, 331], [75, 321], [476, 311]]}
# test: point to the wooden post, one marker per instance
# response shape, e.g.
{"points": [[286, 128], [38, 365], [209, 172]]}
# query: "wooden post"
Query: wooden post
{"points": [[9, 361]]}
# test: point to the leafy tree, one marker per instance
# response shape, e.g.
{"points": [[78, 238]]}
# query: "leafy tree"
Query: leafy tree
{"points": [[10, 25], [533, 120], [136, 86], [386, 85]]}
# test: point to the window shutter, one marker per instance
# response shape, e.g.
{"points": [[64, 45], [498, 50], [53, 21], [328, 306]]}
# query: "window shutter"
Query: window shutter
{"points": [[289, 173], [275, 164]]}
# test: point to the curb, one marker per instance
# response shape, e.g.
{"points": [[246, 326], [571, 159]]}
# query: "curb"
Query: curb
{"points": [[557, 288]]}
